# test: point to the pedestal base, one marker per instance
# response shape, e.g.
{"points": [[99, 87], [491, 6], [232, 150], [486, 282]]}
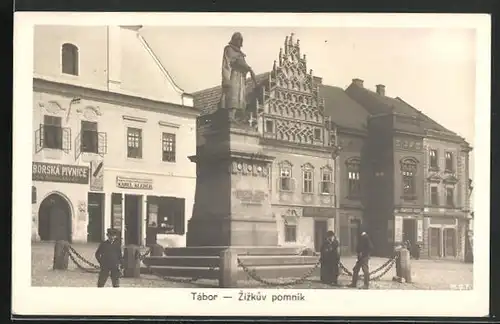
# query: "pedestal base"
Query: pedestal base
{"points": [[232, 232]]}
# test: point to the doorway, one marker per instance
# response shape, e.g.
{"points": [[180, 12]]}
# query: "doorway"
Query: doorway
{"points": [[54, 219], [133, 215], [320, 229], [449, 240], [434, 242], [95, 208], [410, 231], [354, 228]]}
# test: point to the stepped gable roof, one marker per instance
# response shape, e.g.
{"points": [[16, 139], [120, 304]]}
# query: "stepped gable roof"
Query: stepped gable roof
{"points": [[207, 100], [377, 104], [343, 110]]}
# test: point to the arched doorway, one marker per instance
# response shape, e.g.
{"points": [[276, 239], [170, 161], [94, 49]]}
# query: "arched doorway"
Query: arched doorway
{"points": [[54, 219]]}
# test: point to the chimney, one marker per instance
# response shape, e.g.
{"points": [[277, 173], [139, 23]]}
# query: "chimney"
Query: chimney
{"points": [[358, 82], [381, 89]]}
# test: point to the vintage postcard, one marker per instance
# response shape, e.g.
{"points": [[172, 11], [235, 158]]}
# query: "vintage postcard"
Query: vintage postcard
{"points": [[251, 164]]}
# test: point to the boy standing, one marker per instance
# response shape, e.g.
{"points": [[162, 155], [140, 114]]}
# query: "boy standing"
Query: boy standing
{"points": [[110, 258]]}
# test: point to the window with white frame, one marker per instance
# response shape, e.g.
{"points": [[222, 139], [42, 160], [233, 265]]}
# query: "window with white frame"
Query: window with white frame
{"points": [[326, 184], [450, 202], [448, 161], [433, 159], [285, 180], [408, 172], [307, 178], [353, 177]]}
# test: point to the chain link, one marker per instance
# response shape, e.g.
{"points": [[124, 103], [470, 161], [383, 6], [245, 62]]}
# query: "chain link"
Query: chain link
{"points": [[387, 266], [252, 274], [71, 249]]}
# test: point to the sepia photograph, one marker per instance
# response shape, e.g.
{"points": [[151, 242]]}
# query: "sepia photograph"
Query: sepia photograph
{"points": [[252, 162]]}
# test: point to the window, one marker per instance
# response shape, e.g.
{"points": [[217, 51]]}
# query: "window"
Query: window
{"points": [[167, 214], [353, 181], [449, 197], [285, 181], [52, 132], [69, 59], [269, 126], [168, 147], [449, 161], [307, 177], [433, 159], [134, 143], [317, 134], [434, 196], [408, 171], [290, 232], [89, 137], [326, 185]]}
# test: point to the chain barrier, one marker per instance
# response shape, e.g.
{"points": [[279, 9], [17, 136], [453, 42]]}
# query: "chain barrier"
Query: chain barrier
{"points": [[79, 256], [176, 279], [252, 274], [144, 255], [72, 255], [387, 266]]}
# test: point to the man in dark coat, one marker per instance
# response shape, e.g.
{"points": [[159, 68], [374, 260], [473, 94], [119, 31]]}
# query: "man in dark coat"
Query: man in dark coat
{"points": [[330, 259], [364, 249], [109, 255]]}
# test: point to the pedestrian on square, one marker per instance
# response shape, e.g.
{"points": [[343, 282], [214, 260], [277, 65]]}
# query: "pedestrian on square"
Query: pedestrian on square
{"points": [[329, 259], [364, 250], [110, 258]]}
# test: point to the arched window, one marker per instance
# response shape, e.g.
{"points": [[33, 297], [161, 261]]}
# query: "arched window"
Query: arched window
{"points": [[408, 172], [69, 59], [353, 181], [307, 178]]}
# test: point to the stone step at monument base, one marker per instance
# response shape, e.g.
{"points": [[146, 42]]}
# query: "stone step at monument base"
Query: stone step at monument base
{"points": [[241, 250], [247, 260], [273, 273]]}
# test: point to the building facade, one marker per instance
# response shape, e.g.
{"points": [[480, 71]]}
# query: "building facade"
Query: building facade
{"points": [[112, 133]]}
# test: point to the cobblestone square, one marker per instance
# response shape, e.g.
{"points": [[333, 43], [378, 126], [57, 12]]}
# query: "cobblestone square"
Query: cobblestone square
{"points": [[426, 274]]}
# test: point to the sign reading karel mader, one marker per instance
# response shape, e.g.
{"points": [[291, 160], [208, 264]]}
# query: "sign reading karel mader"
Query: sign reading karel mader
{"points": [[52, 172], [134, 183]]}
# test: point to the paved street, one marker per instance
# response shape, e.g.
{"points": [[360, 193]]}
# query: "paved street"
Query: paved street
{"points": [[427, 274]]}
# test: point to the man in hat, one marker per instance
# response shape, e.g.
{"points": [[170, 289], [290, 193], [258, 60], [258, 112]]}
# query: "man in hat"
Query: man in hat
{"points": [[330, 259], [110, 258], [364, 249]]}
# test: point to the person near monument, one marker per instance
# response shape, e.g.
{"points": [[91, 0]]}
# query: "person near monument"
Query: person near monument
{"points": [[364, 250], [110, 258], [234, 72], [329, 259]]}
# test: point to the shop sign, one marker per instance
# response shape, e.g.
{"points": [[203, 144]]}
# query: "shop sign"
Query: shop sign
{"points": [[319, 212], [134, 183], [52, 172], [96, 175], [420, 230], [398, 229]]}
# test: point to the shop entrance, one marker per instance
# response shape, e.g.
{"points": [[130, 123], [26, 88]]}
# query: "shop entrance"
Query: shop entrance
{"points": [[54, 219], [320, 229], [410, 231], [95, 208], [133, 215], [449, 242], [434, 242]]}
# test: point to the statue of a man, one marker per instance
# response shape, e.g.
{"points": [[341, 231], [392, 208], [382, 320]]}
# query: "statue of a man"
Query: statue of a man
{"points": [[234, 72]]}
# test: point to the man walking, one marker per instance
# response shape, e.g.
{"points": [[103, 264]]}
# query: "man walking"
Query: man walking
{"points": [[330, 259], [110, 258], [364, 249]]}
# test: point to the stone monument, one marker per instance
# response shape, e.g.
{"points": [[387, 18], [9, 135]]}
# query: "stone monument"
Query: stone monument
{"points": [[232, 204]]}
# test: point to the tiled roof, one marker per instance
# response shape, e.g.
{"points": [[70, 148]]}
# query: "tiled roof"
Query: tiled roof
{"points": [[343, 110], [208, 99], [377, 104]]}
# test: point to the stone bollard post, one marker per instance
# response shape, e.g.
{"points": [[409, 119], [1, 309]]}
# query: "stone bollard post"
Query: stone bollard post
{"points": [[132, 262], [228, 269], [403, 265], [156, 250], [61, 255]]}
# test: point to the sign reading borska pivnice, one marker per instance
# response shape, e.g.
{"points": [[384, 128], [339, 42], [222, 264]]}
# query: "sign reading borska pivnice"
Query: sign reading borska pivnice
{"points": [[52, 172]]}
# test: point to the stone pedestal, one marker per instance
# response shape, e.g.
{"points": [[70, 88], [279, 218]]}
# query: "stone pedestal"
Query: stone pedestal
{"points": [[232, 204]]}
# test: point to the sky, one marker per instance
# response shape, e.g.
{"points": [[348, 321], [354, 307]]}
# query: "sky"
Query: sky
{"points": [[433, 69]]}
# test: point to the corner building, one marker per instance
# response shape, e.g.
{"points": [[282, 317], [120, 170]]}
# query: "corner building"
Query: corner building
{"points": [[352, 159], [112, 132]]}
